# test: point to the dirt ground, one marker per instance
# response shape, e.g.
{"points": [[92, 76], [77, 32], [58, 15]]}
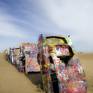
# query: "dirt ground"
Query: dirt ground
{"points": [[87, 62], [12, 81]]}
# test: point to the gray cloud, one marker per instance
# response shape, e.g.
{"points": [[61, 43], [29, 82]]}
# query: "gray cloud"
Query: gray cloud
{"points": [[27, 19], [75, 17]]}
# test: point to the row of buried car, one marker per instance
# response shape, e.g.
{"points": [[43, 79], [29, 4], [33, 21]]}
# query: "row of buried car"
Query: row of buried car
{"points": [[53, 57], [24, 57]]}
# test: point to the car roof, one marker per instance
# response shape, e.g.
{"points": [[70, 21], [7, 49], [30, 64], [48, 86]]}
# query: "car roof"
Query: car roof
{"points": [[60, 37]]}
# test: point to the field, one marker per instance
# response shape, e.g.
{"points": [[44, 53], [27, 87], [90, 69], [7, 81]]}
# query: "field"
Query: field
{"points": [[87, 63], [11, 81]]}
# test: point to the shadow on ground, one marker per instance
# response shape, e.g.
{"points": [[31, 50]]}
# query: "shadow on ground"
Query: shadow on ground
{"points": [[35, 78]]}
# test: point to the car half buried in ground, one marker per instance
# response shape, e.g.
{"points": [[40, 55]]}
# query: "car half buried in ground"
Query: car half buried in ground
{"points": [[30, 54], [61, 71]]}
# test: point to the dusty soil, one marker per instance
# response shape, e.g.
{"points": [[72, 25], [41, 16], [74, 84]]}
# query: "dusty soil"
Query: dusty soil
{"points": [[87, 62], [12, 81]]}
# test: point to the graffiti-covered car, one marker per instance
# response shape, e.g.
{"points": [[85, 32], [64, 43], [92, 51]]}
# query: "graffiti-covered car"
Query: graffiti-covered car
{"points": [[11, 55], [14, 55], [61, 71], [30, 53]]}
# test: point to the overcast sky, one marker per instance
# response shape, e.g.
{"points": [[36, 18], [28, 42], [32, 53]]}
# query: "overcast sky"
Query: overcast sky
{"points": [[24, 20]]}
